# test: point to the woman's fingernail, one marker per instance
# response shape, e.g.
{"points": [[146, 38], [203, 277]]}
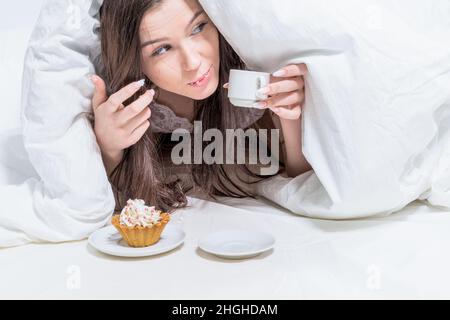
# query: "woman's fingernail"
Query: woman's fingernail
{"points": [[139, 84], [260, 105], [264, 90], [151, 92], [279, 73]]}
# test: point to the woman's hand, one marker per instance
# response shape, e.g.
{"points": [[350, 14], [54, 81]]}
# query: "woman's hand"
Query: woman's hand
{"points": [[118, 127], [286, 92], [286, 98]]}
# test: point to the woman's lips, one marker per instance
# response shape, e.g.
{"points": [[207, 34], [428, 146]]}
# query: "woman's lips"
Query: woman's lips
{"points": [[203, 79]]}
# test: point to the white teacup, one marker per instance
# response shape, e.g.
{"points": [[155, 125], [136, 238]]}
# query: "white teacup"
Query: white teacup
{"points": [[243, 87]]}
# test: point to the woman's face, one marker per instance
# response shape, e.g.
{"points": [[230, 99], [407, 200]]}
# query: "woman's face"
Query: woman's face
{"points": [[180, 45]]}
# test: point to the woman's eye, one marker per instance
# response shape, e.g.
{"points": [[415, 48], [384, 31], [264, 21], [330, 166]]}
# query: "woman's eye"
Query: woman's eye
{"points": [[160, 51], [200, 27]]}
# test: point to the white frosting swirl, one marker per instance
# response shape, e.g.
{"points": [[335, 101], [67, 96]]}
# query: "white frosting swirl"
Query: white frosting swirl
{"points": [[136, 213]]}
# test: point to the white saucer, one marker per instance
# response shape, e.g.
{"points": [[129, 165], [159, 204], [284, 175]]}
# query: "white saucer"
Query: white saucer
{"points": [[237, 244], [108, 240]]}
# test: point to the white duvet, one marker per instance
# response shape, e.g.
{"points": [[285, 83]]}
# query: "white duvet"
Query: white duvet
{"points": [[375, 127], [67, 195]]}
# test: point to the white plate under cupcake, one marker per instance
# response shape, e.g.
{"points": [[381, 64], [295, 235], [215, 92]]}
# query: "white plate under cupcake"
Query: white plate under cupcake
{"points": [[108, 240], [237, 244]]}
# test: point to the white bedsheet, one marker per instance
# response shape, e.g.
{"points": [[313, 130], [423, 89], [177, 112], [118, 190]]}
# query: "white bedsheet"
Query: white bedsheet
{"points": [[404, 255]]}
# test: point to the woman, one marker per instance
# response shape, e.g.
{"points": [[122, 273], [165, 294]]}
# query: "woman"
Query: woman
{"points": [[172, 44]]}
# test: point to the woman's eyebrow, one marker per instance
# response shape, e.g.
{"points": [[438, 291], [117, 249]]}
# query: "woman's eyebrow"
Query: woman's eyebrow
{"points": [[195, 16]]}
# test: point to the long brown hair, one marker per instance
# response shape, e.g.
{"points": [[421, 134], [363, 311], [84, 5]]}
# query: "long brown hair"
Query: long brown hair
{"points": [[141, 172]]}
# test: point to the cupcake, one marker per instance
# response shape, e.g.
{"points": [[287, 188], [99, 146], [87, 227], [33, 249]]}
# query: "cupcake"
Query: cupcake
{"points": [[140, 225]]}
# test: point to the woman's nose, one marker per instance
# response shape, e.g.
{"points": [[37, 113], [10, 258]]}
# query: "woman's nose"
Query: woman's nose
{"points": [[192, 59]]}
